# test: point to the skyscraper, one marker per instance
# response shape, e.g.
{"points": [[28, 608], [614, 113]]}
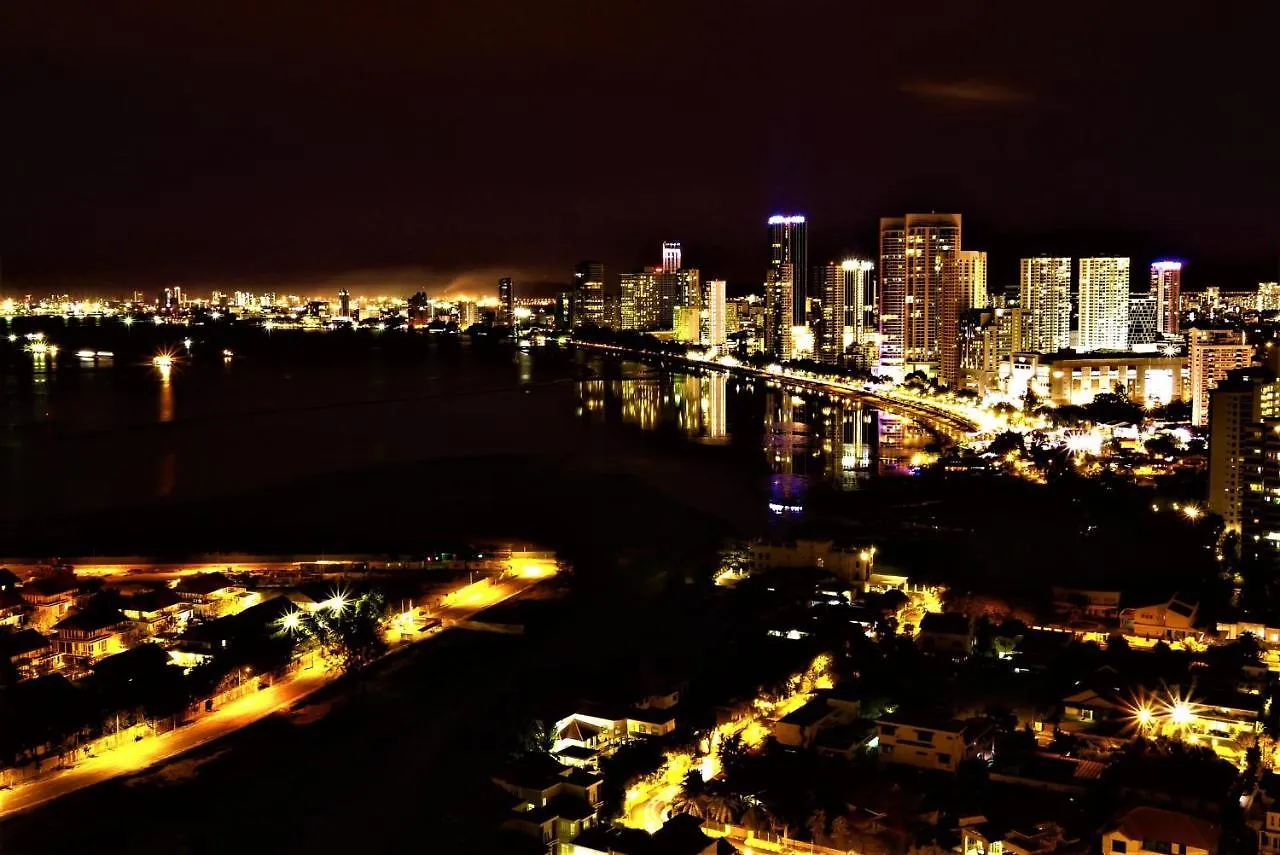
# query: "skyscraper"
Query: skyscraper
{"points": [[506, 302], [1104, 304], [670, 256], [641, 299], [1142, 320], [1166, 288], [789, 244], [1044, 295], [964, 287], [779, 292], [713, 330], [912, 252], [1245, 397], [843, 311], [344, 303], [588, 294], [1212, 354]]}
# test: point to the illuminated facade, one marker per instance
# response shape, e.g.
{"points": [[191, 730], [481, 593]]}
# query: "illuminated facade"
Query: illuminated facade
{"points": [[587, 302], [844, 288], [1104, 304], [912, 253], [964, 288], [789, 247], [1142, 320], [640, 299], [1166, 288], [506, 302], [1212, 354], [1268, 299], [1236, 406], [713, 326], [671, 256], [1076, 379], [779, 292]]}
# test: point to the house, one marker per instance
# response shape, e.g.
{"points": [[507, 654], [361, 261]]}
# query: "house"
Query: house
{"points": [[1264, 814], [241, 631], [1083, 602], [212, 594], [931, 741], [979, 836], [12, 607], [1154, 831], [86, 637], [846, 740], [946, 633], [800, 727], [853, 564], [1173, 620], [600, 726], [9, 580], [158, 612], [682, 834], [51, 599], [29, 653], [554, 803]]}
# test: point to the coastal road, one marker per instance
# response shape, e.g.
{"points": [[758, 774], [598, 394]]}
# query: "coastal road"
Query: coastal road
{"points": [[135, 757]]}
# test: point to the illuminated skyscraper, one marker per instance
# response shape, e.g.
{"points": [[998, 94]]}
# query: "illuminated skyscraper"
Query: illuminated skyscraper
{"points": [[1104, 304], [641, 298], [1212, 354], [670, 256], [506, 302], [1243, 398], [344, 303], [779, 292], [1142, 320], [912, 253], [789, 244], [964, 288], [588, 294], [1044, 295], [1166, 288], [713, 330], [844, 286]]}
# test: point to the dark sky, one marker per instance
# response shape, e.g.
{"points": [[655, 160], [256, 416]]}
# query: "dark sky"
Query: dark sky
{"points": [[407, 143]]}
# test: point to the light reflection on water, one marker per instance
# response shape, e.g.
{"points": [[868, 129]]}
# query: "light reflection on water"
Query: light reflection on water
{"points": [[805, 438]]}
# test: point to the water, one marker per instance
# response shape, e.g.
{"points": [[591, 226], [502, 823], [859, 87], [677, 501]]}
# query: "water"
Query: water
{"points": [[81, 436]]}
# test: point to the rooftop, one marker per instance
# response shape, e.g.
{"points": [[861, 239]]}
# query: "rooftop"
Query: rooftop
{"points": [[91, 621], [1147, 823], [946, 623]]}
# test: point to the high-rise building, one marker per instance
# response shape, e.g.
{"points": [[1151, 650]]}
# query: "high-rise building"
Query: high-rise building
{"points": [[779, 292], [1142, 320], [468, 314], [912, 254], [964, 287], [1260, 497], [1044, 295], [844, 287], [713, 328], [671, 256], [1268, 297], [1104, 304], [344, 303], [1166, 288], [789, 245], [1212, 354], [587, 305], [641, 299], [506, 302], [1243, 398]]}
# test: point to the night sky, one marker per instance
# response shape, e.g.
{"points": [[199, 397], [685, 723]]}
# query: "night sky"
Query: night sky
{"points": [[408, 144]]}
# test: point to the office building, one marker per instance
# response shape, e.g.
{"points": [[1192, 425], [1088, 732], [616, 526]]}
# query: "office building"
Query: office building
{"points": [[1260, 496], [1268, 299], [789, 245], [964, 288], [506, 316], [1066, 378], [587, 304], [685, 324], [1212, 354], [344, 303], [640, 299], [1166, 288], [1104, 304], [912, 253], [779, 292], [1142, 320], [1240, 401], [468, 314], [844, 286], [671, 256], [1044, 294], [713, 324]]}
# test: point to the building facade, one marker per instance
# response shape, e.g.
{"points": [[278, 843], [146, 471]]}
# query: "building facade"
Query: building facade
{"points": [[844, 287], [671, 256], [1076, 379], [587, 302], [1104, 304], [789, 246], [1166, 288], [713, 327], [1240, 401], [506, 302], [1212, 354], [1044, 295], [1142, 320], [964, 288], [779, 292], [913, 250]]}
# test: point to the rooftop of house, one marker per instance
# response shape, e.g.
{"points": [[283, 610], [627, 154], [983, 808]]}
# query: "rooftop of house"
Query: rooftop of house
{"points": [[10, 599], [1148, 823], [52, 585], [539, 771], [8, 579], [844, 736], [20, 642], [937, 720], [202, 583], [145, 659], [91, 620], [150, 601], [811, 713], [945, 623], [577, 752], [253, 620], [562, 806]]}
